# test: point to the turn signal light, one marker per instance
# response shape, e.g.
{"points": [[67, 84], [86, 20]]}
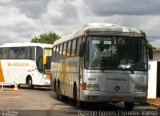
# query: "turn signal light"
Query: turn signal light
{"points": [[84, 86]]}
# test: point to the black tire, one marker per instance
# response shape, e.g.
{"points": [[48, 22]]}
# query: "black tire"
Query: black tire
{"points": [[54, 86], [59, 95], [128, 106], [57, 92], [29, 83], [79, 103]]}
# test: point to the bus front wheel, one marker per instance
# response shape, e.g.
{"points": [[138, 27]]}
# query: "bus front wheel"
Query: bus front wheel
{"points": [[30, 86], [79, 103]]}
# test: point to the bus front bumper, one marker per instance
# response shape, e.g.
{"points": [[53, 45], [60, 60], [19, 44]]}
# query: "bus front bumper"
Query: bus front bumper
{"points": [[98, 96]]}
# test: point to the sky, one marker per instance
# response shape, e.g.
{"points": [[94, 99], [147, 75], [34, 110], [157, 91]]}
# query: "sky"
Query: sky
{"points": [[21, 20]]}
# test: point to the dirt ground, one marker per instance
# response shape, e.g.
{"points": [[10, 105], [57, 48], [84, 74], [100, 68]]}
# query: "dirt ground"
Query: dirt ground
{"points": [[154, 101]]}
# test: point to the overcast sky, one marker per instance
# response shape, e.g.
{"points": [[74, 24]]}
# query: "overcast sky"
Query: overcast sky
{"points": [[20, 20]]}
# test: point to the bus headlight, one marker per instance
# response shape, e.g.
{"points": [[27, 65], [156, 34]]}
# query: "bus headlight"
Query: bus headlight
{"points": [[140, 88], [94, 87], [89, 86]]}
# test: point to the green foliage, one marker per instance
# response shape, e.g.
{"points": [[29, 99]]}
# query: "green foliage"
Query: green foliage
{"points": [[48, 38], [150, 46]]}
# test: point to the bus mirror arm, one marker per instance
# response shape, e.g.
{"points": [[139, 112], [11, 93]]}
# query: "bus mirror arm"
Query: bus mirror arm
{"points": [[81, 50], [150, 53]]}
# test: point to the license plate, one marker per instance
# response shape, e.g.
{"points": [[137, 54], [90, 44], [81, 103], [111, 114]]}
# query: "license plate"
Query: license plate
{"points": [[117, 98]]}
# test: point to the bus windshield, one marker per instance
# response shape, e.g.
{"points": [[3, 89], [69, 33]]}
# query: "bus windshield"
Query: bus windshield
{"points": [[107, 52], [48, 53]]}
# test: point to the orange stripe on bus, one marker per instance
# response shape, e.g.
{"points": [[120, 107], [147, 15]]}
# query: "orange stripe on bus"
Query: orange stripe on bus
{"points": [[1, 74]]}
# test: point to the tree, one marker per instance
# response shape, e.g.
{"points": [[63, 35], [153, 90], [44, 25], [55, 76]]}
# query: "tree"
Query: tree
{"points": [[150, 45], [46, 38]]}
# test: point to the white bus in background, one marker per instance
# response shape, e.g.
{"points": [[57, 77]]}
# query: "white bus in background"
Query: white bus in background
{"points": [[86, 65], [25, 63]]}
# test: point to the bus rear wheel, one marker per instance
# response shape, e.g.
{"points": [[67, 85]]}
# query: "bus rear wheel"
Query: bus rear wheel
{"points": [[59, 95]]}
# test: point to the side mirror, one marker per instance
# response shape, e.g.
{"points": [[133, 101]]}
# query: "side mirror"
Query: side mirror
{"points": [[81, 50], [150, 53], [44, 59]]}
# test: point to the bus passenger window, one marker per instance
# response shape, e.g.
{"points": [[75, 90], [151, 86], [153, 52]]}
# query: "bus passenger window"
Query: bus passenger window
{"points": [[73, 51], [5, 53], [11, 52], [15, 53], [21, 53], [69, 48], [54, 52], [57, 51], [32, 53], [27, 52], [60, 51], [64, 49], [79, 41]]}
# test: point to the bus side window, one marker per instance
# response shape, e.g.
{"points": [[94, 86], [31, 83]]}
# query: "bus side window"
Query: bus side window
{"points": [[4, 53], [54, 52], [79, 40], [21, 53], [64, 49], [69, 48], [15, 55], [60, 51], [11, 52], [73, 51], [27, 52], [57, 51], [32, 53]]}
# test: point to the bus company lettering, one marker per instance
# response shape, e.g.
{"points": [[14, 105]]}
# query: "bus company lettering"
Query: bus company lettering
{"points": [[9, 64], [116, 79], [18, 64], [91, 79]]}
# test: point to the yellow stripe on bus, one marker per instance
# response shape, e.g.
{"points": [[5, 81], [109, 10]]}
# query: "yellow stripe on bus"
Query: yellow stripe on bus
{"points": [[1, 74]]}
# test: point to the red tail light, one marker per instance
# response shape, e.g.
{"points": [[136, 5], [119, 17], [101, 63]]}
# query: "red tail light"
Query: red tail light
{"points": [[84, 86]]}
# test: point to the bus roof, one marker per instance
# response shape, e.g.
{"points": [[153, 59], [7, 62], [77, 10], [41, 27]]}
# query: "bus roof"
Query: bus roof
{"points": [[105, 28], [29, 44]]}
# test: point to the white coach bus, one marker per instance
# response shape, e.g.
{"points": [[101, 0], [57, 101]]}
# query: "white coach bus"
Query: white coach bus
{"points": [[25, 63], [86, 65]]}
